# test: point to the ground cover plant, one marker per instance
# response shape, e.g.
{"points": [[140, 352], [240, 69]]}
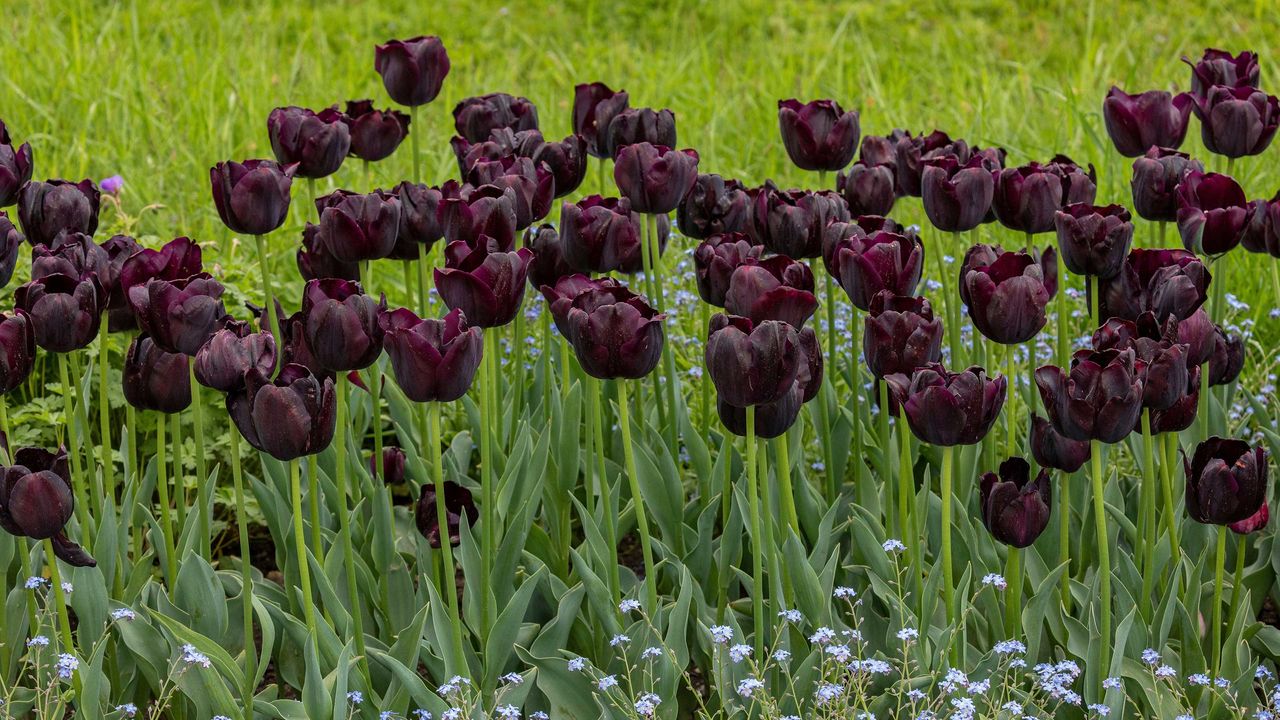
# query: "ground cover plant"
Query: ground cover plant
{"points": [[441, 377]]}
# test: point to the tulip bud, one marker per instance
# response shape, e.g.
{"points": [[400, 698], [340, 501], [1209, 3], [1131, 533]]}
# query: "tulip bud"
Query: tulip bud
{"points": [[316, 142], [1078, 186], [15, 167], [1094, 240], [341, 324], [17, 349], [604, 235], [155, 379], [549, 264], [118, 248], [615, 333], [475, 117], [868, 264], [394, 465], [179, 259], [1052, 449], [75, 255], [772, 419], [412, 70], [901, 334], [288, 417], [375, 134], [881, 150], [1139, 122], [468, 213], [752, 364], [179, 315], [1228, 358], [792, 222], [485, 283], [868, 189], [1198, 333], [432, 360], [716, 259], [1016, 509], [957, 197], [231, 352], [654, 178], [1219, 67], [10, 241], [532, 183], [1100, 399], [1167, 282], [567, 161], [49, 208], [1161, 361], [1226, 481], [945, 408], [419, 214], [1026, 198], [632, 126], [355, 228], [1007, 293], [778, 288], [1182, 414], [818, 135], [253, 197], [1212, 213], [1238, 121], [714, 206], [1155, 180], [594, 107], [457, 502], [63, 309]]}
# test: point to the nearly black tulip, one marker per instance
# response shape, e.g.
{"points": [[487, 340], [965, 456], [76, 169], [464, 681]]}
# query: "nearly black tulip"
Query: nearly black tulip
{"points": [[901, 334], [394, 465], [15, 167], [945, 408], [560, 296], [1015, 508], [1254, 522], [774, 419], [861, 226], [485, 283], [567, 161], [715, 260], [155, 379], [231, 352], [419, 214], [457, 503], [792, 222], [868, 264], [315, 261], [252, 197], [467, 213], [17, 349], [1166, 282], [1052, 449], [1155, 118], [1078, 185], [1161, 361], [63, 309], [1182, 414], [412, 70], [432, 360], [56, 206], [1212, 213], [355, 228], [178, 259], [638, 125], [179, 315], [1199, 334], [957, 196], [615, 333], [1228, 358], [475, 117], [1094, 240], [1261, 234], [654, 178], [714, 206], [1155, 181], [375, 134], [818, 135], [73, 254], [777, 288], [316, 142], [36, 501], [911, 151], [1027, 197], [549, 264], [881, 149], [288, 417], [604, 235], [341, 324], [1100, 399], [752, 364], [1239, 121], [532, 183], [1226, 481], [868, 189], [1219, 67], [594, 107]]}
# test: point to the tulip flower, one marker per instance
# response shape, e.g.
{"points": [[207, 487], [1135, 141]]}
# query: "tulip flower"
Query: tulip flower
{"points": [[1212, 213], [1219, 67], [549, 264], [1226, 481], [231, 352], [716, 259], [868, 189], [714, 206], [433, 360], [1261, 232], [1238, 121], [1100, 399], [73, 254], [868, 264], [375, 134], [1198, 333], [778, 288], [1026, 198], [1166, 282], [792, 222], [457, 502], [179, 315], [419, 214], [860, 226], [1052, 449], [394, 465], [467, 213], [532, 183], [1228, 358], [567, 161], [341, 324], [1015, 508], [604, 235], [1182, 414], [475, 117], [1155, 180], [654, 178], [771, 420], [560, 296], [315, 261], [945, 408], [316, 142], [15, 167], [881, 149], [119, 248], [64, 310], [1254, 522], [1139, 122], [412, 70], [1078, 186], [957, 196], [615, 333], [641, 125], [252, 197], [594, 107], [288, 417], [1161, 361], [911, 152], [155, 379], [356, 228], [818, 135], [56, 206], [752, 364], [500, 143], [901, 334], [486, 283], [17, 349], [36, 501], [179, 259], [1094, 240]]}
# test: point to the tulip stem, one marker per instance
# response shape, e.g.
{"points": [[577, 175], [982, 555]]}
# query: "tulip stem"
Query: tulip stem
{"points": [[1091, 291], [637, 499], [1061, 338], [906, 501], [344, 524], [313, 505], [179, 479], [1166, 480], [431, 434], [1013, 595], [1219, 562], [704, 387], [104, 415], [1104, 553], [1064, 538], [1163, 225], [166, 514], [246, 577], [757, 536], [488, 513], [273, 319], [203, 486], [948, 573], [1237, 579], [73, 450], [726, 503], [1147, 510], [781, 447], [59, 597], [300, 545], [606, 493], [651, 289], [424, 265], [1010, 370], [414, 130], [1275, 283], [517, 362]]}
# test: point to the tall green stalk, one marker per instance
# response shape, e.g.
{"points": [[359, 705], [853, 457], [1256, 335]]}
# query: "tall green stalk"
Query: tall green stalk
{"points": [[1064, 539], [60, 599], [647, 256], [269, 294], [73, 451], [300, 547], [1104, 552], [431, 436], [203, 486], [104, 414], [606, 493], [1013, 593], [1219, 561], [166, 513], [1147, 512], [781, 447], [246, 577], [344, 523], [488, 513], [637, 499], [757, 535], [948, 572]]}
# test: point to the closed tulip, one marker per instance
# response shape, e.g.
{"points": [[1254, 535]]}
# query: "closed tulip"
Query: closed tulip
{"points": [[548, 263], [1026, 198], [179, 315], [1228, 358], [15, 167], [901, 334], [56, 206], [714, 206], [654, 178], [533, 185], [957, 196], [457, 503], [868, 189], [1166, 282], [36, 501], [468, 213], [774, 419], [715, 260], [1219, 67], [945, 408], [1100, 399], [316, 142], [594, 107], [1199, 334], [861, 226], [375, 134], [560, 296], [911, 151], [1212, 213], [1261, 233], [394, 465], [475, 117], [252, 197], [881, 149], [63, 309], [1238, 121], [1094, 240], [485, 283], [818, 135], [500, 143], [1052, 449], [412, 70], [1079, 185], [17, 349], [1182, 414], [604, 235], [1161, 361], [868, 264], [315, 261], [419, 214], [231, 352], [632, 126], [1137, 123], [73, 254], [752, 364], [288, 417], [1226, 481], [567, 161], [155, 379], [432, 360], [356, 228], [792, 222], [778, 288], [1015, 508], [615, 333], [341, 324], [10, 241], [1155, 181]]}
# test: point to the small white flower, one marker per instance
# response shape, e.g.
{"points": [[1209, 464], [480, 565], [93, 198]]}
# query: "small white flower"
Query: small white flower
{"points": [[127, 709], [355, 697], [647, 705], [822, 636], [35, 583], [781, 656], [841, 653], [844, 593], [38, 641], [191, 656], [606, 682], [628, 606], [1111, 683], [791, 616], [995, 580], [577, 664], [1100, 709], [1012, 708], [748, 686], [1150, 656], [1010, 647], [739, 652], [893, 546], [908, 634], [650, 653], [827, 692], [123, 614], [512, 678], [508, 712], [617, 640], [1164, 671], [67, 588], [1198, 679], [721, 634], [67, 665]]}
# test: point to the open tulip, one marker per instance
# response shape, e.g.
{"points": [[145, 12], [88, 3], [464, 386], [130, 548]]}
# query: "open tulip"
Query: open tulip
{"points": [[1100, 399], [1166, 282], [64, 310], [714, 206], [752, 364], [1015, 508], [1137, 123], [178, 259], [860, 226], [433, 360], [615, 333], [231, 352], [252, 197], [1161, 361], [641, 125], [468, 213], [1155, 181], [883, 260], [901, 334], [1237, 121], [868, 189], [475, 117], [912, 150], [316, 142], [179, 315], [560, 296], [501, 143], [17, 349], [155, 379], [375, 134], [594, 107], [73, 254], [654, 178], [355, 228], [1212, 213], [15, 167], [1094, 240], [548, 263], [1228, 358], [818, 135], [288, 417], [600, 234], [945, 408], [56, 206], [778, 288], [457, 503], [1052, 449], [533, 185], [487, 284], [1226, 481], [957, 196], [341, 324], [412, 70], [36, 501], [715, 260], [1219, 67], [792, 222]]}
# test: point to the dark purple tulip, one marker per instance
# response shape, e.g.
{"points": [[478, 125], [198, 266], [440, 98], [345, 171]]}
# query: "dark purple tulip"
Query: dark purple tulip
{"points": [[1262, 232], [714, 206], [315, 261], [901, 334], [1228, 358], [419, 214], [1052, 449], [15, 167], [883, 260], [594, 107], [861, 226], [1139, 122], [567, 161], [316, 142], [772, 419], [475, 117], [119, 248], [946, 408], [560, 296], [180, 258], [64, 310], [1212, 213], [1155, 181], [777, 288], [1027, 197], [881, 149], [604, 234], [17, 349], [1166, 282], [179, 315], [457, 502], [1239, 121], [467, 213], [867, 189], [1182, 414], [341, 324], [1100, 399], [56, 206], [615, 333], [818, 135], [253, 197], [231, 352], [412, 70], [957, 196], [1015, 509], [792, 222], [1226, 481], [1078, 185], [433, 360], [654, 178], [1219, 67], [501, 143], [1254, 522], [155, 379], [291, 416], [911, 152], [752, 364], [716, 259], [1161, 361], [36, 501], [532, 183], [355, 228], [1094, 240], [394, 465], [375, 134], [1199, 334], [73, 254], [486, 284], [640, 125], [548, 263]]}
